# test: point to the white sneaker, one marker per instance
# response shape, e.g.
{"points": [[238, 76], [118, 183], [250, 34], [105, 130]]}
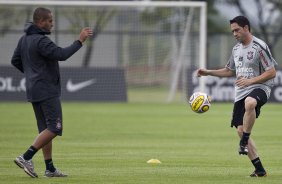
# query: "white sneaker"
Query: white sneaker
{"points": [[26, 165], [56, 173]]}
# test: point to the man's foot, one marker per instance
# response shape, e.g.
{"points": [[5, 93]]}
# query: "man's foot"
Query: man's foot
{"points": [[258, 174], [243, 149], [56, 173], [26, 165]]}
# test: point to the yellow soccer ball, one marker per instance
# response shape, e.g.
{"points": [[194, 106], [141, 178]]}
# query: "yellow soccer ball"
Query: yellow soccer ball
{"points": [[200, 102]]}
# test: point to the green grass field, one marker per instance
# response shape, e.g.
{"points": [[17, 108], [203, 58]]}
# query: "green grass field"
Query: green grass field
{"points": [[111, 142]]}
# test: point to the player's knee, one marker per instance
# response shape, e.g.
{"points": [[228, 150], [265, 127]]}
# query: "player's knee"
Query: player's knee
{"points": [[250, 103]]}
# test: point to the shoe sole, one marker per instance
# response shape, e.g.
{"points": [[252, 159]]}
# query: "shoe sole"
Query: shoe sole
{"points": [[55, 176], [243, 153], [257, 176], [18, 164], [25, 169]]}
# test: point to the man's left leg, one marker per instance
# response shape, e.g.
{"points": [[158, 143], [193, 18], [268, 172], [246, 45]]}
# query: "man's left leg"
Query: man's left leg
{"points": [[253, 156], [53, 113], [50, 171], [47, 154]]}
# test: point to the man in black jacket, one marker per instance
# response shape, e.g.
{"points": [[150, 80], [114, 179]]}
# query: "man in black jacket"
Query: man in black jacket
{"points": [[37, 57]]}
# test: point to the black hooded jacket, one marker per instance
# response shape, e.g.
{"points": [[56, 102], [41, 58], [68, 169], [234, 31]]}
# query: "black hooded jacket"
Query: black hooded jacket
{"points": [[37, 57]]}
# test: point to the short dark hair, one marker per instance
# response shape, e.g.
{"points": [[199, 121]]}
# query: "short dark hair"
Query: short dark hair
{"points": [[40, 13], [242, 21]]}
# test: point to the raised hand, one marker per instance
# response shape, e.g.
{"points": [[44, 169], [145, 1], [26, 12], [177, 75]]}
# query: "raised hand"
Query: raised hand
{"points": [[85, 33]]}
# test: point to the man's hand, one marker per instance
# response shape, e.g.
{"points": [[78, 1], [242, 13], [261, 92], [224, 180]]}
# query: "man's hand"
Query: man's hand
{"points": [[202, 72], [85, 33], [243, 82]]}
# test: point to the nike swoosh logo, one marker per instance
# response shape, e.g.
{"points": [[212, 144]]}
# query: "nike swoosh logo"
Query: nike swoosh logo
{"points": [[71, 87]]}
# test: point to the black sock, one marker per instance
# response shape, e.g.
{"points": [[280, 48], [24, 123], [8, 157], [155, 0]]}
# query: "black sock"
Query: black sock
{"points": [[49, 165], [245, 138], [258, 165], [29, 153]]}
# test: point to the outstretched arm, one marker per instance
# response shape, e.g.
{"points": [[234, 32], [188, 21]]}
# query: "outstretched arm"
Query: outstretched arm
{"points": [[223, 72], [51, 51]]}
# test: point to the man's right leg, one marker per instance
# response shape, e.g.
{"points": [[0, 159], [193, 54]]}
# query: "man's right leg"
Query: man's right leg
{"points": [[252, 104], [43, 139], [248, 122], [25, 161], [45, 136]]}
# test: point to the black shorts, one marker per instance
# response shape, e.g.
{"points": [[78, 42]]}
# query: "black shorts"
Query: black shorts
{"points": [[239, 106], [48, 114]]}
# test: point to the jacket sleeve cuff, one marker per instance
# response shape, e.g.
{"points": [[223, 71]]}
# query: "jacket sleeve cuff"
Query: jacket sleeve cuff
{"points": [[79, 42]]}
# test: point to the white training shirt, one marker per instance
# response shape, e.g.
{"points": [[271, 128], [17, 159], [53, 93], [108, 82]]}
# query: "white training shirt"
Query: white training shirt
{"points": [[251, 61]]}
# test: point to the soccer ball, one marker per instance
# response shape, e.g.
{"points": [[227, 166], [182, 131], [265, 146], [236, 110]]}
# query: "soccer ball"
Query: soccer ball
{"points": [[200, 102]]}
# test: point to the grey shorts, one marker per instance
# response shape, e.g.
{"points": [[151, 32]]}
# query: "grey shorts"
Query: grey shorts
{"points": [[48, 114], [239, 106]]}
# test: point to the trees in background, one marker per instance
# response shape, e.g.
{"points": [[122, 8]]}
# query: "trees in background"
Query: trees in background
{"points": [[265, 17]]}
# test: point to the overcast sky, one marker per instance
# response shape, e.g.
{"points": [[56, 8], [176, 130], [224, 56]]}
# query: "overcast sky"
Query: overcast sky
{"points": [[230, 12]]}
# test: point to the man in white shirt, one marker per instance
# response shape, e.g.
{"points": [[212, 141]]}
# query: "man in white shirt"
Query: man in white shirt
{"points": [[254, 67]]}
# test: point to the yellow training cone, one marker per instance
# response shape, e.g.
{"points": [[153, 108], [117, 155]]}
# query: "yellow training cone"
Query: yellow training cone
{"points": [[153, 161]]}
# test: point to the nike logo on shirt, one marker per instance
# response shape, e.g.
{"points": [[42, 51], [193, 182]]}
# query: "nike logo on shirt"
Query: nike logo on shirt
{"points": [[71, 87]]}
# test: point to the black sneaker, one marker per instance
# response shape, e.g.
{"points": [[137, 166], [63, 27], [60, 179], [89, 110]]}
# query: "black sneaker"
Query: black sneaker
{"points": [[243, 149], [258, 174]]}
